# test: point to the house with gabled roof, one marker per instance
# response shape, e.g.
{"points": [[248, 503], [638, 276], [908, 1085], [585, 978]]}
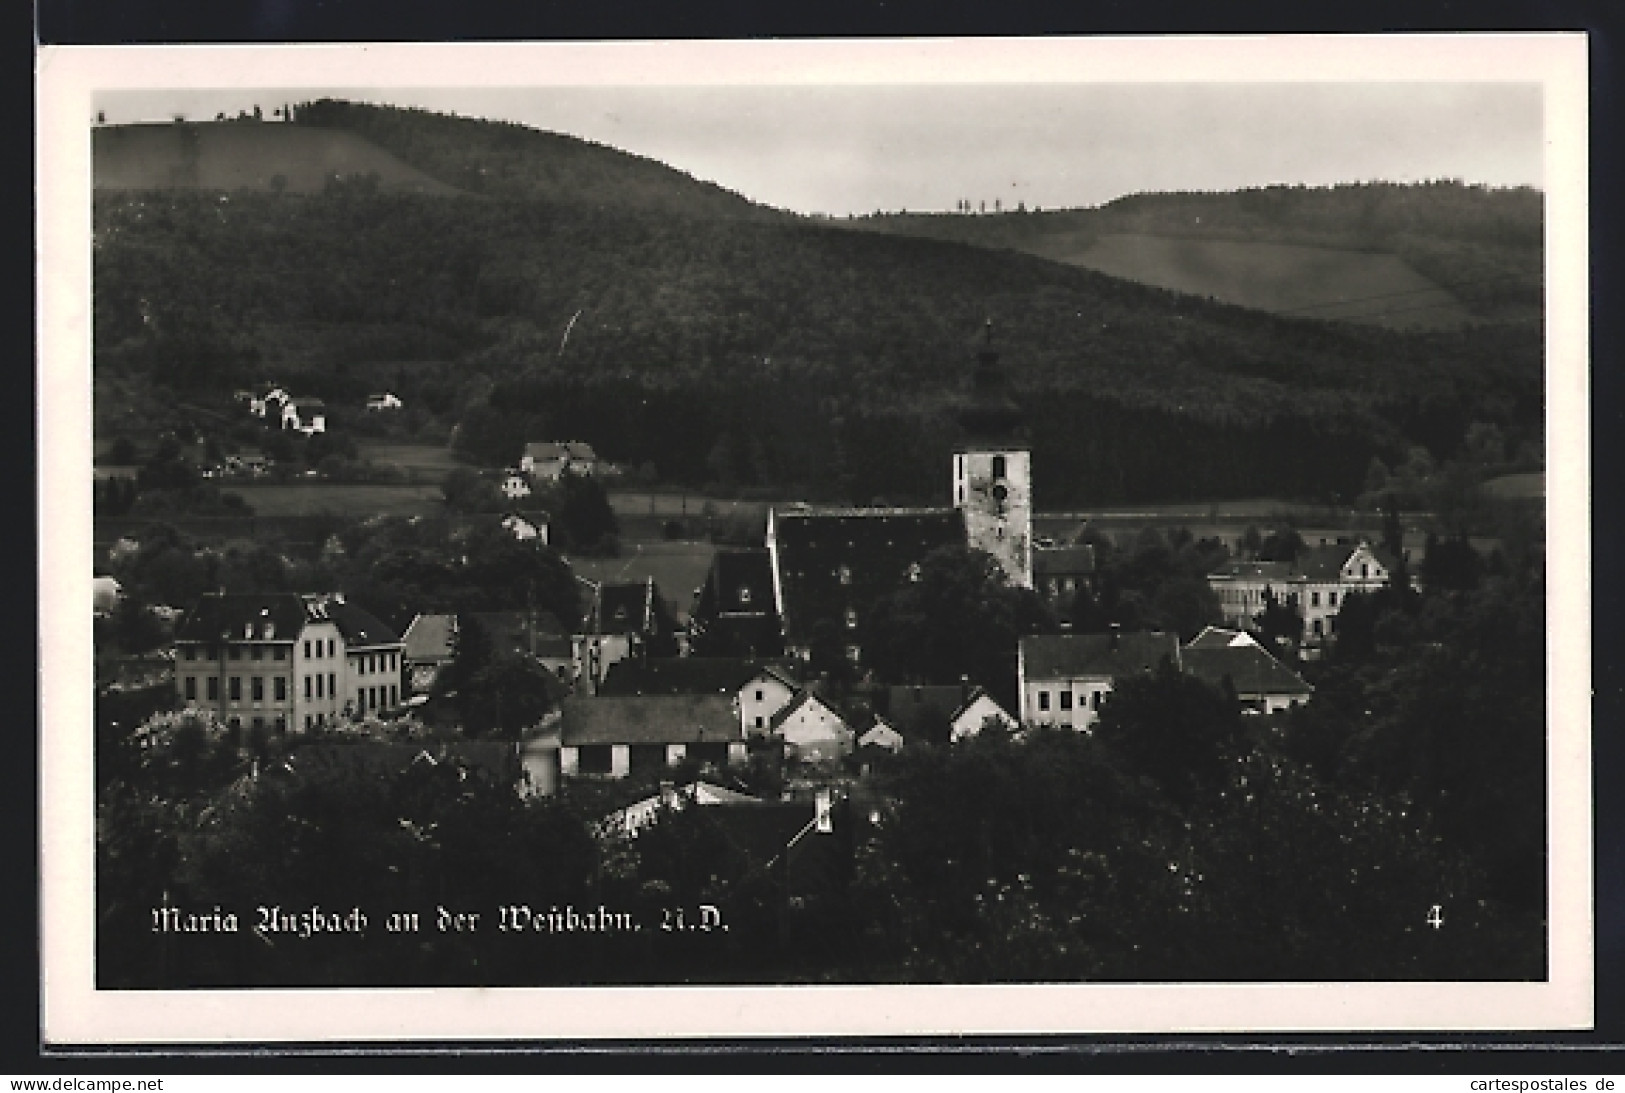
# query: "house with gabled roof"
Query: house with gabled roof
{"points": [[975, 712], [306, 415], [639, 734], [1064, 677], [552, 460], [812, 731], [1233, 658], [1313, 585], [760, 687]]}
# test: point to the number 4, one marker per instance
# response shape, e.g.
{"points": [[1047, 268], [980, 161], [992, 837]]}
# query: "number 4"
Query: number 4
{"points": [[1435, 916]]}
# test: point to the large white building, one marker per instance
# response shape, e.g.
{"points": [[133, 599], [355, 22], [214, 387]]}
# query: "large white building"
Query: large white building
{"points": [[1314, 585], [284, 661]]}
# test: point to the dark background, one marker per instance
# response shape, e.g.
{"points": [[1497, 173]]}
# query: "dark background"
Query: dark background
{"points": [[106, 22]]}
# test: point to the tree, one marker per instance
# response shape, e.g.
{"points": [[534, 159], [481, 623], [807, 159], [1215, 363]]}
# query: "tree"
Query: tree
{"points": [[1172, 728], [584, 519], [510, 693], [961, 619], [1280, 625]]}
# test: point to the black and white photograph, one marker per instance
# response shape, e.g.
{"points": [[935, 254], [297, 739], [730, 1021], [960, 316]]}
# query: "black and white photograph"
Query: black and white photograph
{"points": [[1046, 535]]}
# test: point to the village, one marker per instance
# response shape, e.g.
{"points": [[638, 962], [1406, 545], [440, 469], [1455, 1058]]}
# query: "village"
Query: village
{"points": [[769, 690]]}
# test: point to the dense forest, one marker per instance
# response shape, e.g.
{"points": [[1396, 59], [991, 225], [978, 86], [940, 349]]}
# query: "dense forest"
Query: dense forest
{"points": [[740, 352]]}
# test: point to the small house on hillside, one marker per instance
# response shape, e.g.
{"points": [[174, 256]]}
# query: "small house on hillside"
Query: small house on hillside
{"points": [[812, 731], [383, 401], [760, 688], [975, 713], [515, 485], [307, 415], [552, 460]]}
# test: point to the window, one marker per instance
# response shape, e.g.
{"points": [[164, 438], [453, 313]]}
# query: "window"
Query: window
{"points": [[1066, 700], [319, 686], [309, 692], [1043, 700], [281, 688], [308, 719], [998, 466], [259, 724], [191, 653], [844, 574], [257, 653], [854, 653], [851, 618], [281, 723], [1094, 700], [332, 688], [235, 688], [256, 689], [329, 646], [394, 695], [191, 688], [758, 694], [1365, 571], [744, 593], [914, 571], [1331, 598], [307, 650], [361, 698], [234, 653], [235, 723], [759, 723], [1318, 628], [593, 758], [1314, 599], [372, 697], [213, 689]]}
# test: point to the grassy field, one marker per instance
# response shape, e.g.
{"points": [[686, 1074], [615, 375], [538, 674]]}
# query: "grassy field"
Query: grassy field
{"points": [[346, 499], [430, 461], [678, 568], [1314, 282]]}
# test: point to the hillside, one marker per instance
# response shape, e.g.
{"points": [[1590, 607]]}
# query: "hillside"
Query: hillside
{"points": [[233, 155], [715, 342], [1424, 256]]}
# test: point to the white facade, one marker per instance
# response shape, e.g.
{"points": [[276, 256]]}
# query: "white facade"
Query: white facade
{"points": [[760, 700], [815, 731], [288, 682], [1064, 701], [993, 488], [970, 720]]}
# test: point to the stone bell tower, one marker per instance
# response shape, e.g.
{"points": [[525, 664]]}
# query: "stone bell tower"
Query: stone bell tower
{"points": [[993, 469]]}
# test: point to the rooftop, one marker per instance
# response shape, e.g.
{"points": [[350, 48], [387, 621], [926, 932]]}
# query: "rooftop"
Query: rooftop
{"points": [[688, 675], [1059, 656], [646, 719], [1250, 669]]}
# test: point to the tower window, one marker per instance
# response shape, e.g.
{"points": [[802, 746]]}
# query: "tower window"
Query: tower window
{"points": [[998, 466]]}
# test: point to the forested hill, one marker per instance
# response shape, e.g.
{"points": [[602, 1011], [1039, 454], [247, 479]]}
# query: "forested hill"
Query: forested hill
{"points": [[1478, 247], [776, 353], [504, 159]]}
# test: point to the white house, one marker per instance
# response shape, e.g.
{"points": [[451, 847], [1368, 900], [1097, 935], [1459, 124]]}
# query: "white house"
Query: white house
{"points": [[385, 401], [1262, 684], [881, 735], [515, 485], [1064, 677], [531, 528], [970, 718], [307, 415], [811, 730], [553, 460]]}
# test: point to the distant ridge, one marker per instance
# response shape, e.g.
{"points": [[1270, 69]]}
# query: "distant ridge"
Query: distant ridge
{"points": [[234, 155]]}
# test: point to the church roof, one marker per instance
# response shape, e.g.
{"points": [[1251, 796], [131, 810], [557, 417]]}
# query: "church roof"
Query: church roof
{"points": [[832, 559]]}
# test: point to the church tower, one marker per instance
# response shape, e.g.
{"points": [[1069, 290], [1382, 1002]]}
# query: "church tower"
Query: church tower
{"points": [[993, 470]]}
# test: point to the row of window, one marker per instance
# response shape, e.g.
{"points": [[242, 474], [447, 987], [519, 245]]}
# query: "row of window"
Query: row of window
{"points": [[318, 643], [377, 662], [1090, 701], [371, 698], [1253, 595], [235, 652], [234, 688]]}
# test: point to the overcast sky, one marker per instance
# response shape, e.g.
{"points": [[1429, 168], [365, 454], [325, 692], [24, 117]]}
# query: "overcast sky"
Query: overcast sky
{"points": [[849, 148]]}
